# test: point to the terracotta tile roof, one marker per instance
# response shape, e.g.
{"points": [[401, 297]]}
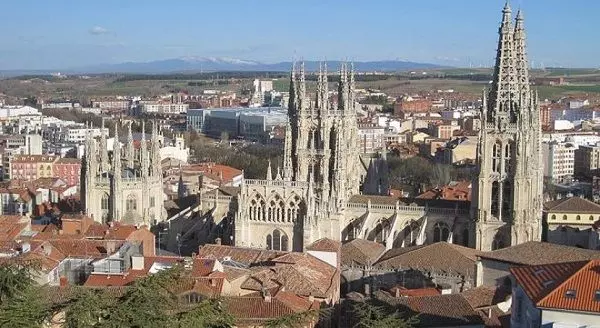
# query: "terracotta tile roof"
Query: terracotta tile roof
{"points": [[568, 286], [441, 256], [300, 273], [572, 205], [455, 191], [252, 310], [537, 253], [361, 252], [247, 256], [485, 296], [120, 232], [34, 158], [234, 273], [215, 171], [379, 200], [201, 267], [325, 245], [402, 291], [435, 311], [84, 248]]}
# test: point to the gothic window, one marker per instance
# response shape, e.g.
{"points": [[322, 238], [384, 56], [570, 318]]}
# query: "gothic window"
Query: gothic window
{"points": [[578, 218], [410, 232], [506, 198], [441, 232], [591, 218], [131, 203], [508, 157], [498, 242], [269, 242], [104, 202], [564, 217], [284, 243], [276, 240], [497, 151], [281, 212], [494, 199], [252, 210], [466, 237], [553, 217], [271, 214]]}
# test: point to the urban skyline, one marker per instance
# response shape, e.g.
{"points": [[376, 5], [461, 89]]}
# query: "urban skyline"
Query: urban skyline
{"points": [[440, 32]]}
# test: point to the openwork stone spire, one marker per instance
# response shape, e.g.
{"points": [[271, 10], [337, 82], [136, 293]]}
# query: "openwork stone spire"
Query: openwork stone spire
{"points": [[502, 97], [129, 150], [103, 150], [521, 64]]}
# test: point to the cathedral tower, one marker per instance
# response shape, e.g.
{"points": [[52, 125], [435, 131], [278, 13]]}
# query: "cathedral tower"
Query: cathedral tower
{"points": [[507, 194]]}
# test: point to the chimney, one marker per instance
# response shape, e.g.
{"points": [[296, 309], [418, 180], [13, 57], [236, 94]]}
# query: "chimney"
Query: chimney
{"points": [[311, 298], [397, 291], [110, 247], [63, 281], [137, 262], [266, 295], [218, 241]]}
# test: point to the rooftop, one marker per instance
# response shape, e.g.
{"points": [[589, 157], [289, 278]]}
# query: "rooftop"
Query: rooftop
{"points": [[573, 286], [572, 205], [537, 253]]}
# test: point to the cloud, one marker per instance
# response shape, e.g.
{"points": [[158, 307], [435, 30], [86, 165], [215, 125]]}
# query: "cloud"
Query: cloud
{"points": [[98, 30]]}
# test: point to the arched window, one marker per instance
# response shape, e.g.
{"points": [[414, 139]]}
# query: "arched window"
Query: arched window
{"points": [[591, 218], [466, 237], [276, 240], [496, 153], [271, 213], [578, 218], [564, 217], [498, 242], [104, 203], [284, 243], [441, 232], [269, 242], [131, 203], [494, 199], [553, 217]]}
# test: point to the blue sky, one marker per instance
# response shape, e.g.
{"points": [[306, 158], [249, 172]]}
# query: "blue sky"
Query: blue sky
{"points": [[73, 33]]}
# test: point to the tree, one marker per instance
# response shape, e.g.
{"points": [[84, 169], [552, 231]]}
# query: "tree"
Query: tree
{"points": [[371, 316], [207, 314], [87, 308], [294, 320], [27, 308], [15, 276]]}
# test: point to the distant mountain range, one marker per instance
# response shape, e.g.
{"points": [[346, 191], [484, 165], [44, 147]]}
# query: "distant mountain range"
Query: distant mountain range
{"points": [[215, 64]]}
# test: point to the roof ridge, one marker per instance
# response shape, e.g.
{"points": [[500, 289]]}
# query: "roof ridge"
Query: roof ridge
{"points": [[587, 264]]}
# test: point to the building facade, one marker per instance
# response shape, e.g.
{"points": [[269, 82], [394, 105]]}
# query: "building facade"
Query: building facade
{"points": [[126, 186], [315, 193], [559, 161], [507, 194]]}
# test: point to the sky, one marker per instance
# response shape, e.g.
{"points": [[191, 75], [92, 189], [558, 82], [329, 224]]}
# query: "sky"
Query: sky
{"points": [[42, 34]]}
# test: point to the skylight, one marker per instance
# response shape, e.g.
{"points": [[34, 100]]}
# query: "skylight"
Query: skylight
{"points": [[571, 293], [597, 295]]}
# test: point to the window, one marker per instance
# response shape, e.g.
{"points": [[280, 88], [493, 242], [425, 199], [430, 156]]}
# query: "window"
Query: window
{"points": [[152, 201], [591, 218], [441, 232], [276, 240], [104, 202], [564, 217], [578, 218], [597, 295], [571, 293], [269, 242], [553, 217], [131, 204]]}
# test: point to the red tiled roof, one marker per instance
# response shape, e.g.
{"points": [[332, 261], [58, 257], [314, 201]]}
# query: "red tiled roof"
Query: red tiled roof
{"points": [[440, 256], [547, 285], [456, 191], [402, 291], [361, 251], [325, 245], [572, 205], [215, 171], [248, 256], [537, 253]]}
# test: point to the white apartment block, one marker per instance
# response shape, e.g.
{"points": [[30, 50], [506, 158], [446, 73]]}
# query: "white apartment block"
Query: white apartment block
{"points": [[559, 161], [77, 134], [162, 108]]}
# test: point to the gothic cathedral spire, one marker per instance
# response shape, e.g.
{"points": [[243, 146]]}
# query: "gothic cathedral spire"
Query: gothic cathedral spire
{"points": [[506, 204]]}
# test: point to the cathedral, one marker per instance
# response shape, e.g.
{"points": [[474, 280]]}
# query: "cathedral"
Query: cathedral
{"points": [[126, 184], [316, 193]]}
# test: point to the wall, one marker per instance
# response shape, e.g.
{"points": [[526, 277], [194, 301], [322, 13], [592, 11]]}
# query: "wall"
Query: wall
{"points": [[494, 272], [570, 318]]}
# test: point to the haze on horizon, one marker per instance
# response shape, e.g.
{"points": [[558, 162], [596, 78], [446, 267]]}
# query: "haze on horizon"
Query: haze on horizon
{"points": [[73, 33]]}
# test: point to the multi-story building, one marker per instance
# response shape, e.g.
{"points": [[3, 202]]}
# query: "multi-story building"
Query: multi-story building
{"points": [[69, 170], [556, 295], [197, 119], [78, 133], [559, 161], [571, 221], [587, 161], [165, 108], [444, 130], [31, 167], [410, 105], [371, 138]]}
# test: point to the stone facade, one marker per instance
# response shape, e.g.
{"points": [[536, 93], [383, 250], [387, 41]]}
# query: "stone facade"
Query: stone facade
{"points": [[507, 195], [316, 193], [128, 185]]}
